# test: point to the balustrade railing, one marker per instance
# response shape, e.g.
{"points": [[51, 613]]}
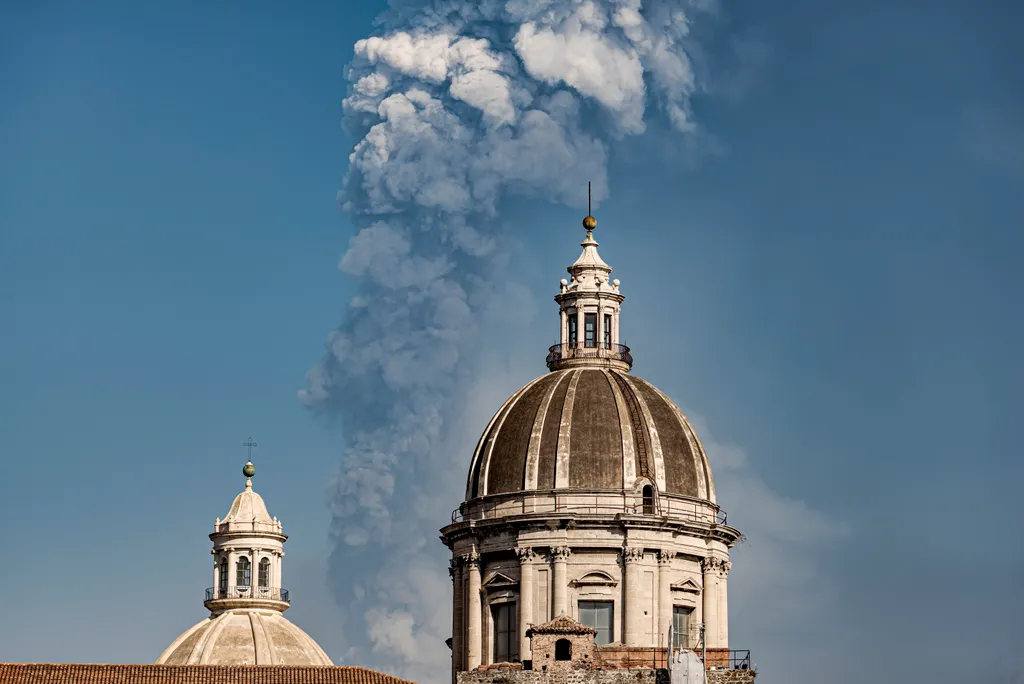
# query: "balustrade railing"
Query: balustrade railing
{"points": [[580, 350], [611, 504], [232, 592]]}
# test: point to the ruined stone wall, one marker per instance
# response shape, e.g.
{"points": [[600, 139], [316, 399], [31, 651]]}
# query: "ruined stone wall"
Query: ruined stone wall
{"points": [[576, 676], [731, 676]]}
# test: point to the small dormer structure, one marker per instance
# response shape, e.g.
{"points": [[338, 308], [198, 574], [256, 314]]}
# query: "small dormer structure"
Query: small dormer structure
{"points": [[562, 644]]}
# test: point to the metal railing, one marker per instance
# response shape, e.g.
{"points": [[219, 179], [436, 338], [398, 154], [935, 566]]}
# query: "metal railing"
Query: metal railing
{"points": [[610, 504], [268, 593], [248, 526], [721, 659], [560, 352]]}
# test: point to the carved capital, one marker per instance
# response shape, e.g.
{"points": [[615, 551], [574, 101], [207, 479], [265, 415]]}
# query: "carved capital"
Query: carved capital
{"points": [[715, 566], [665, 557], [526, 554], [560, 553], [632, 554], [471, 560], [454, 567]]}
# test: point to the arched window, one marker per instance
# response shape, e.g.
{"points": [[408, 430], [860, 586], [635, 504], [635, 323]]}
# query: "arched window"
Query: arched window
{"points": [[222, 576], [563, 649], [264, 575], [648, 494], [243, 572]]}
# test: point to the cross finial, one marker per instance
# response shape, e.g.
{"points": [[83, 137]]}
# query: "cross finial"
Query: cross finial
{"points": [[588, 198], [249, 445]]}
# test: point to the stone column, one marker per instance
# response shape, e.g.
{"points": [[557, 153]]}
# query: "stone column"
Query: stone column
{"points": [[560, 583], [455, 570], [664, 596], [526, 556], [216, 571], [564, 336], [631, 557], [474, 635], [232, 559], [709, 567]]}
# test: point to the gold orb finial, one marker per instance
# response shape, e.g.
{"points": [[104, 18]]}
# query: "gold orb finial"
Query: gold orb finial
{"points": [[590, 223]]}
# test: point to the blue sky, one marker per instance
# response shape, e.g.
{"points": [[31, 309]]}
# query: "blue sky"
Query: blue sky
{"points": [[825, 275]]}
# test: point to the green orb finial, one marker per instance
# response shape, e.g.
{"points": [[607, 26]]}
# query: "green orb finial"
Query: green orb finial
{"points": [[249, 469]]}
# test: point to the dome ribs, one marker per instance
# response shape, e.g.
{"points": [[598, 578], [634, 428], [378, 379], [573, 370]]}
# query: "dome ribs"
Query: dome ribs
{"points": [[506, 462], [625, 434], [644, 467], [595, 435], [681, 473], [548, 456], [534, 466], [562, 451]]}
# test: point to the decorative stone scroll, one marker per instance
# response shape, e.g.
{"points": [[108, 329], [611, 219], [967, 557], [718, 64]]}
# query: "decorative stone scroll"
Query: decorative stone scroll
{"points": [[665, 557]]}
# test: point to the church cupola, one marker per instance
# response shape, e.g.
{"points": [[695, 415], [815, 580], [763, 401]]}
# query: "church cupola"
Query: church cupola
{"points": [[589, 303], [246, 624], [247, 550]]}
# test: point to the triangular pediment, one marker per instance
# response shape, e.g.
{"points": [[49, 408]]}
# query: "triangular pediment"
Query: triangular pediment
{"points": [[687, 585], [500, 581]]}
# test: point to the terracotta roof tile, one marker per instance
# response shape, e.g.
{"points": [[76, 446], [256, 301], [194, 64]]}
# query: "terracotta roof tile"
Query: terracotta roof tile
{"points": [[61, 673]]}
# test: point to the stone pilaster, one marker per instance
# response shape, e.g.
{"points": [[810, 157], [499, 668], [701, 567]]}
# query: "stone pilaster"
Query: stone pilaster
{"points": [[665, 595], [526, 556], [474, 635], [560, 582], [723, 602], [455, 569], [710, 567], [633, 607]]}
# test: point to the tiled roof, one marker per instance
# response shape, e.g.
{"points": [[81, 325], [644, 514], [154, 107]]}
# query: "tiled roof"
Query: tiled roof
{"points": [[54, 673], [563, 624]]}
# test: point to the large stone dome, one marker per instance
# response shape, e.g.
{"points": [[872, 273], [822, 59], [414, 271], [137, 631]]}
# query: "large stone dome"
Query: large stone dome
{"points": [[245, 638], [588, 428]]}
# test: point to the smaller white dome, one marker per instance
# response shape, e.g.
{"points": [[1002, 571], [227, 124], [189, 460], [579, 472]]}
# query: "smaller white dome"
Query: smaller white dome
{"points": [[245, 638], [248, 513]]}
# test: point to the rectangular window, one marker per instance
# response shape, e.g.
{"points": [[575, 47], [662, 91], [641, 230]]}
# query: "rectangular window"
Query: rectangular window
{"points": [[598, 614], [607, 331], [590, 329], [506, 639], [681, 637], [572, 328], [243, 572], [264, 574]]}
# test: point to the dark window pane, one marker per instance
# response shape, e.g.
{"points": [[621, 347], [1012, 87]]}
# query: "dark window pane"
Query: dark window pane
{"points": [[598, 614], [590, 329], [572, 329], [506, 638], [681, 637], [607, 331]]}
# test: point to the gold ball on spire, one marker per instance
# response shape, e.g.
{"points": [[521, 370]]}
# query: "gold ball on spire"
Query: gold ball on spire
{"points": [[590, 223]]}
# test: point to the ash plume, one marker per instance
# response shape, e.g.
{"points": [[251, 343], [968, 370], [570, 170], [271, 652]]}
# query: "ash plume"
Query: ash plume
{"points": [[456, 105]]}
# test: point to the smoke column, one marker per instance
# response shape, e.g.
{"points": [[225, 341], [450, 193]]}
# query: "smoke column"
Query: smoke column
{"points": [[454, 104]]}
